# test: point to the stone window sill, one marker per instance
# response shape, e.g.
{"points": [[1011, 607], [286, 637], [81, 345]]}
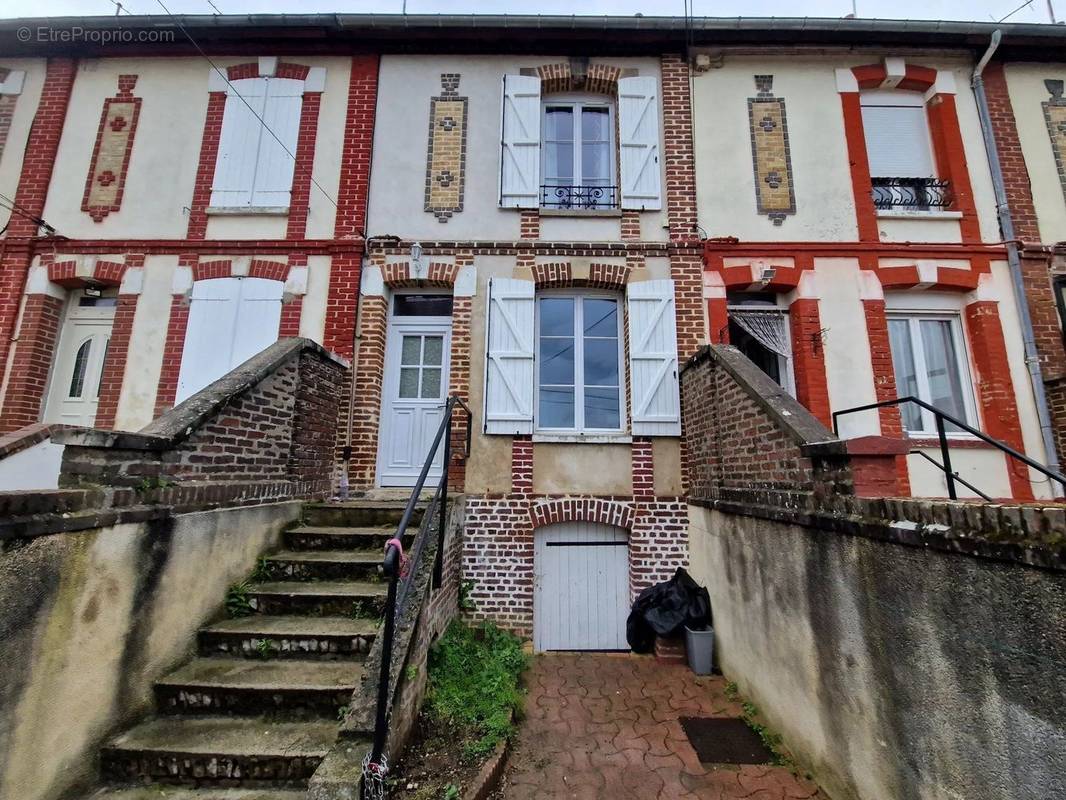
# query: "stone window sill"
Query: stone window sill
{"points": [[902, 214], [963, 440], [247, 211], [583, 438]]}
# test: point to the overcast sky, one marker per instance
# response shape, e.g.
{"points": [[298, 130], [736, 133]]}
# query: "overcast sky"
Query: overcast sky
{"points": [[983, 10]]}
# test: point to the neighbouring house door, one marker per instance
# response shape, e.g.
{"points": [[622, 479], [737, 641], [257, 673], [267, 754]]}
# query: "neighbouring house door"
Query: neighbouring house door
{"points": [[79, 364], [580, 587], [415, 387]]}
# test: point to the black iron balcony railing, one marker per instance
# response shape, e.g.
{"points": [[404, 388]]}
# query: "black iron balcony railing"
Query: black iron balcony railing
{"points": [[579, 197], [911, 194]]}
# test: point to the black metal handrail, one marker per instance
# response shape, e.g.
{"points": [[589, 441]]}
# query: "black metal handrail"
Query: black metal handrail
{"points": [[398, 595], [941, 416], [580, 197], [911, 193]]}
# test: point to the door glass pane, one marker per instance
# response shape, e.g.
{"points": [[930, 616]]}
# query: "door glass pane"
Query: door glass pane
{"points": [[899, 335], [601, 407], [422, 305], [557, 361], [557, 316], [430, 383], [412, 346], [942, 364], [434, 349], [81, 363], [556, 407], [408, 382]]}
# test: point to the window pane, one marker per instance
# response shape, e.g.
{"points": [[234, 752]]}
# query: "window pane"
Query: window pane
{"points": [[899, 334], [412, 347], [595, 124], [422, 305], [556, 408], [559, 123], [557, 362], [409, 382], [601, 362], [81, 363], [430, 383], [558, 163], [600, 318], [941, 362], [557, 316], [434, 349], [601, 407], [596, 164]]}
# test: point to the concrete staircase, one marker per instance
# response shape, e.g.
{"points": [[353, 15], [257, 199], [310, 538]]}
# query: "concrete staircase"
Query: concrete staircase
{"points": [[254, 713]]}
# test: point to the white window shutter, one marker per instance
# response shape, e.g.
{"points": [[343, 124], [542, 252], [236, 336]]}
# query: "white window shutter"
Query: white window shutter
{"points": [[509, 357], [520, 143], [897, 141], [238, 145], [275, 165], [638, 126], [208, 334], [653, 358], [258, 318]]}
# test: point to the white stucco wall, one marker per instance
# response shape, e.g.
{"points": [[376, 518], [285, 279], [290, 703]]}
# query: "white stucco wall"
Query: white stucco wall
{"points": [[1025, 84], [36, 467], [397, 186], [25, 110]]}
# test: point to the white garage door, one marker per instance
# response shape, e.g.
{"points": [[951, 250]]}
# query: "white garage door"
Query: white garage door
{"points": [[581, 587]]}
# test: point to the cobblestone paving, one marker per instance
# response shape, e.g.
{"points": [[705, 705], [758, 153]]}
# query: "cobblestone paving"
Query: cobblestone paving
{"points": [[607, 726]]}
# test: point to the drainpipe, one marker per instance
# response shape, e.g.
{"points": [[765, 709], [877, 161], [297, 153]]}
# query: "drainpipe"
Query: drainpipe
{"points": [[1006, 226]]}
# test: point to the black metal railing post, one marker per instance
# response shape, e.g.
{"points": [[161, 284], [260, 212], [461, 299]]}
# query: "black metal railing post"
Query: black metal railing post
{"points": [[438, 562], [390, 568], [946, 456]]}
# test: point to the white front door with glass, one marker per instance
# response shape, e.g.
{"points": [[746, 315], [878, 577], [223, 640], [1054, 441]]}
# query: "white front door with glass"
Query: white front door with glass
{"points": [[415, 387], [80, 360]]}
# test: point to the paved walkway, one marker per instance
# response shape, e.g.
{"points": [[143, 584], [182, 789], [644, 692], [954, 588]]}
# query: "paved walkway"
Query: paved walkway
{"points": [[607, 726]]}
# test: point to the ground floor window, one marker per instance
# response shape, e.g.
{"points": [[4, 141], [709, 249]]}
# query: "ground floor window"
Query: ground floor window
{"points": [[759, 329], [928, 356]]}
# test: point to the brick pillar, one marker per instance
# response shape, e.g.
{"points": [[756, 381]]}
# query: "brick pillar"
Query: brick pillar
{"points": [[118, 350], [951, 161], [717, 321], [885, 380], [995, 391], [861, 187], [30, 195], [808, 361], [522, 466], [459, 385], [677, 153], [643, 469], [38, 331], [174, 344]]}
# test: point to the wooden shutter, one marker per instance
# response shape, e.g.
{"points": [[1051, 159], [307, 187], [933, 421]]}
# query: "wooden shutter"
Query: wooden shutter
{"points": [[258, 318], [509, 357], [653, 358], [208, 335], [274, 167], [638, 126], [897, 135], [235, 166], [520, 143]]}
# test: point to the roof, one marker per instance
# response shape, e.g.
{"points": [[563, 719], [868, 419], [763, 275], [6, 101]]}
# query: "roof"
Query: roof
{"points": [[475, 33]]}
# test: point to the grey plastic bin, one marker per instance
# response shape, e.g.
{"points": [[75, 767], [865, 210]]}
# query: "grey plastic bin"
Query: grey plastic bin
{"points": [[699, 645]]}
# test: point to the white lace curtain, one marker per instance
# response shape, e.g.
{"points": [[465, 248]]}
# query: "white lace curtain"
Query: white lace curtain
{"points": [[765, 327]]}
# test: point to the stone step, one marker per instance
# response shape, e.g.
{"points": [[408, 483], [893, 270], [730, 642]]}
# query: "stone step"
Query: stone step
{"points": [[164, 792], [242, 686], [311, 538], [322, 565], [260, 636], [360, 513], [319, 598], [224, 751]]}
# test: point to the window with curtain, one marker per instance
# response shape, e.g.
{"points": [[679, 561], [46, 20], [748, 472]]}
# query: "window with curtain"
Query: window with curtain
{"points": [[578, 155], [578, 363], [759, 329], [928, 357]]}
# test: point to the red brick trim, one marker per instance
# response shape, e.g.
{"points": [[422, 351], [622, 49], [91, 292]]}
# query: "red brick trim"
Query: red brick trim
{"points": [[559, 274], [529, 223], [270, 270], [368, 376], [680, 185], [558, 77], [859, 161], [995, 390], [459, 385], [885, 380], [630, 226], [581, 509], [28, 382], [205, 170], [808, 358], [522, 466], [300, 197], [123, 110], [440, 274], [250, 69], [717, 320], [916, 78], [117, 354], [291, 311], [1011, 158], [642, 467], [206, 270], [174, 344], [951, 161], [106, 273], [358, 142]]}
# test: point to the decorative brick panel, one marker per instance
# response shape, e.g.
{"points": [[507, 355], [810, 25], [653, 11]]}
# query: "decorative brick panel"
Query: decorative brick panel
{"points": [[775, 195], [446, 156], [110, 162]]}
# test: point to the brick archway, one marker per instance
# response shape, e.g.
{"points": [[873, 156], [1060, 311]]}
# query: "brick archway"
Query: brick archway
{"points": [[582, 509], [562, 77]]}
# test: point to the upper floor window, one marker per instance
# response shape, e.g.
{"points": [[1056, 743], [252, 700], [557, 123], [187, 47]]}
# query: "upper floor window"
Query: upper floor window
{"points": [[900, 152], [579, 155], [929, 360], [254, 167]]}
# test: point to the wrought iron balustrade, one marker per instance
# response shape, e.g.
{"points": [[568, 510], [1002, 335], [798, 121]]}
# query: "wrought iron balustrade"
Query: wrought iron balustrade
{"points": [[911, 194], [579, 197]]}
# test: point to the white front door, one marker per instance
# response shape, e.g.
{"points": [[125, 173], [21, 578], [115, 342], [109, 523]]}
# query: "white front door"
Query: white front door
{"points": [[79, 364], [414, 392], [580, 587]]}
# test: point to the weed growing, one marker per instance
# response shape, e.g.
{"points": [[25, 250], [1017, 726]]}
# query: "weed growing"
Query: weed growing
{"points": [[238, 602], [750, 715]]}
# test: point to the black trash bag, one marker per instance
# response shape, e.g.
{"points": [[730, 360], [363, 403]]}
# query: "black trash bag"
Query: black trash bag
{"points": [[665, 608]]}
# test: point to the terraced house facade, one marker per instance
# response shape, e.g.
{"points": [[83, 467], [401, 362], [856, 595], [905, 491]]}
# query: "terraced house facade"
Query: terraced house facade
{"points": [[545, 220]]}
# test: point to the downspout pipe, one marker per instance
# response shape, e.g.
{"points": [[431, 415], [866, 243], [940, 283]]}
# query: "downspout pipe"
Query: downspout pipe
{"points": [[1014, 263]]}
